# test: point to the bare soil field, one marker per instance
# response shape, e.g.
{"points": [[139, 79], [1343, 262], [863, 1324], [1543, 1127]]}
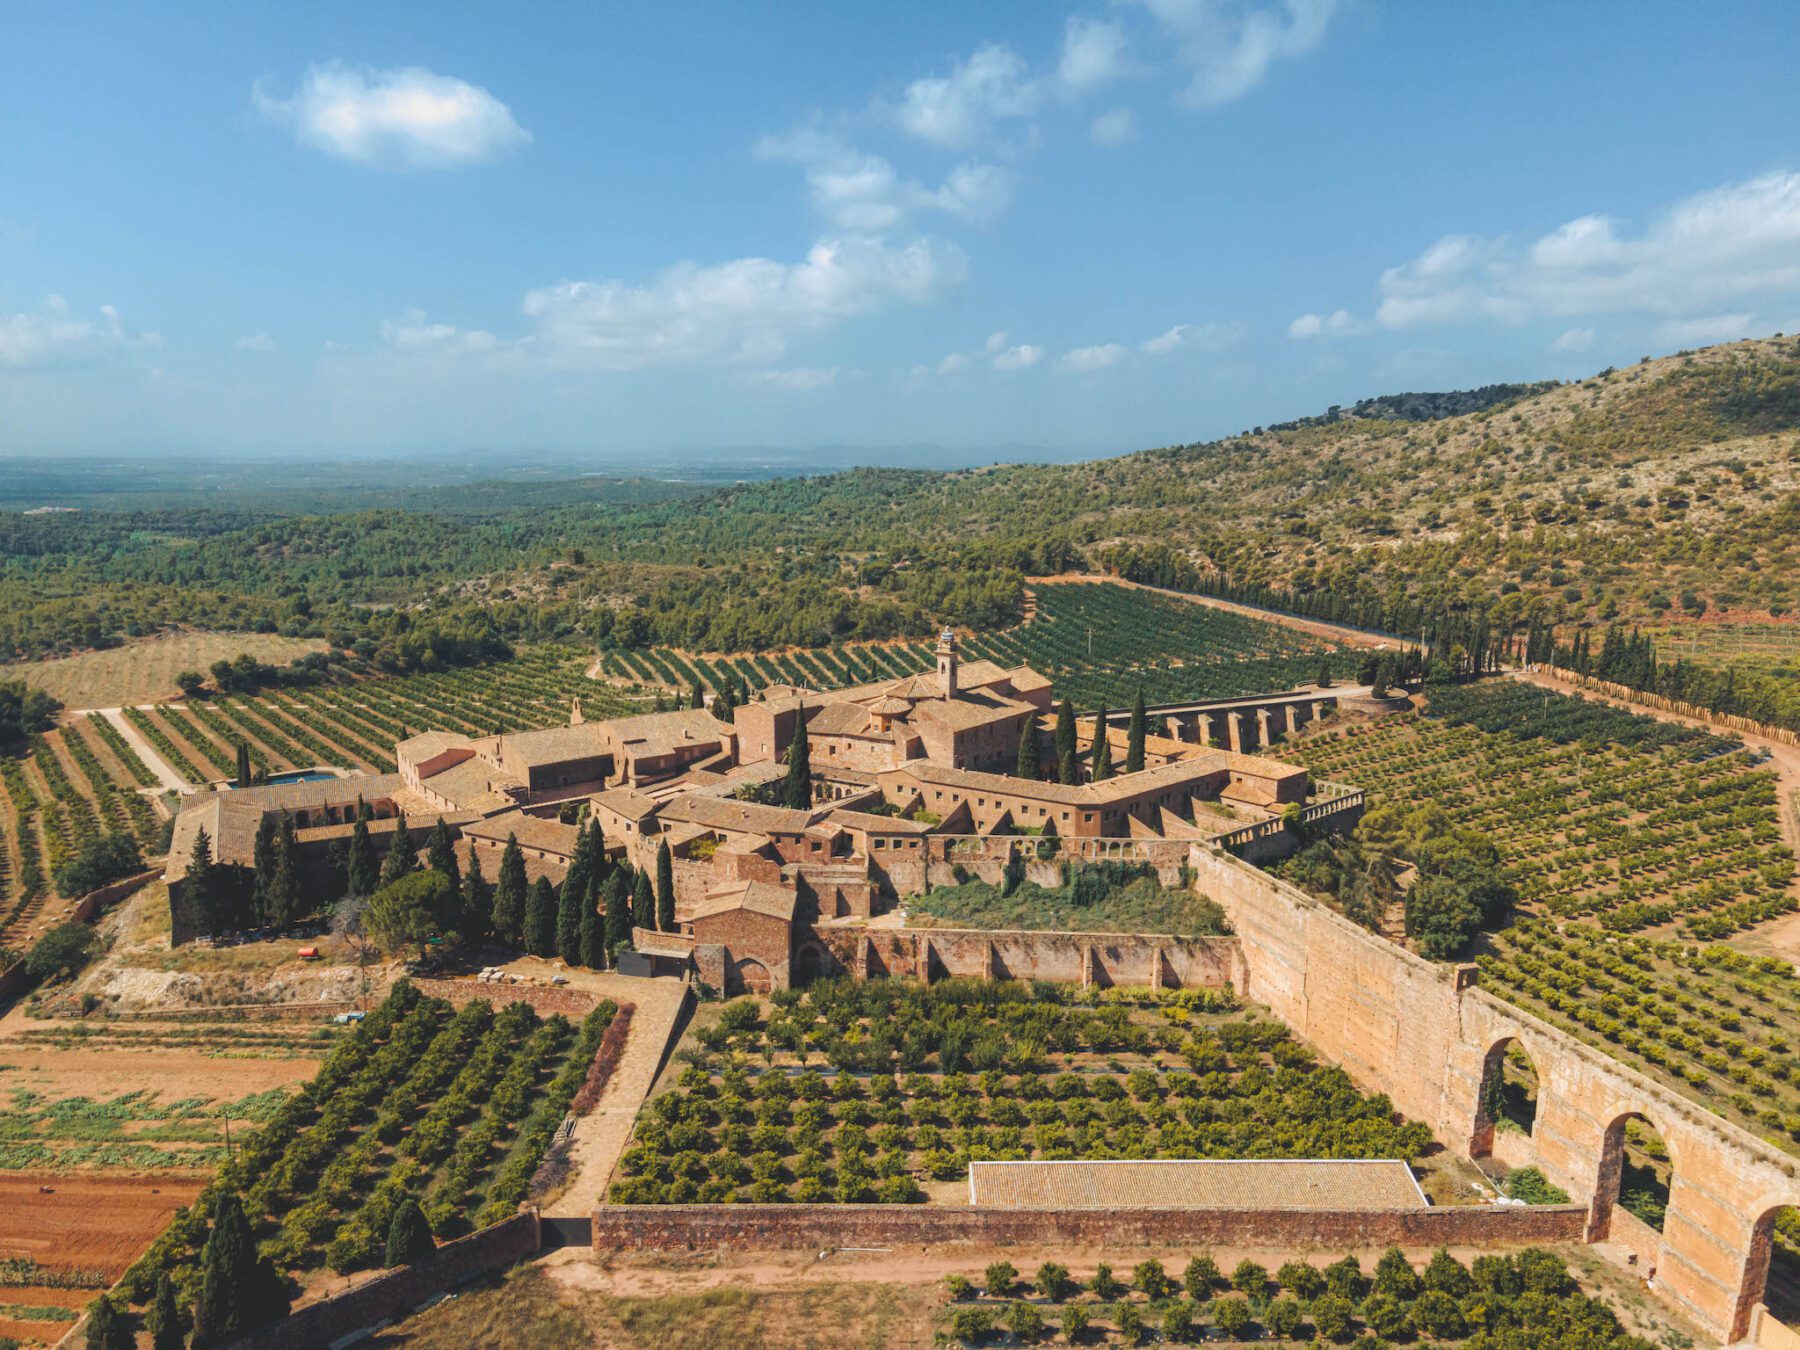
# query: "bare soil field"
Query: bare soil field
{"points": [[141, 672], [97, 1223]]}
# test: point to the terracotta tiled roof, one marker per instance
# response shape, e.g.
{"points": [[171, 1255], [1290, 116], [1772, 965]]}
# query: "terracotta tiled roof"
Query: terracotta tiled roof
{"points": [[1196, 1184], [549, 836], [759, 897], [556, 745]]}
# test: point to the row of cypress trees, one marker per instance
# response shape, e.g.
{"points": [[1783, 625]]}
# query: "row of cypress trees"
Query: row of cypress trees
{"points": [[1029, 763]]}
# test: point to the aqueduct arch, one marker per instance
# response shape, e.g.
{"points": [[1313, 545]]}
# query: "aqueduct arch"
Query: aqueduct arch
{"points": [[1512, 1082], [1631, 1168], [1771, 1270]]}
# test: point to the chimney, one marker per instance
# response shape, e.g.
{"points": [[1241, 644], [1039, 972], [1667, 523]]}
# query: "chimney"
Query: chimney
{"points": [[946, 659]]}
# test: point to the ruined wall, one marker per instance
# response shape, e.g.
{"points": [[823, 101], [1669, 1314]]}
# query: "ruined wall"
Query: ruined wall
{"points": [[1422, 1034], [778, 1227], [1100, 959]]}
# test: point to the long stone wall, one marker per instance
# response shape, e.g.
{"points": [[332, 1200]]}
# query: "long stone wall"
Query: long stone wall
{"points": [[1102, 959], [1699, 712], [491, 1248], [1423, 1034], [782, 1227]]}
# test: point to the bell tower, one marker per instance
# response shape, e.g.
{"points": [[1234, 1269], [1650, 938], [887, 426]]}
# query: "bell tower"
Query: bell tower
{"points": [[946, 658]]}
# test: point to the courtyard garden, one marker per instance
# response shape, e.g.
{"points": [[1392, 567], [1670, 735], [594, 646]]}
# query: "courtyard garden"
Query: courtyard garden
{"points": [[1105, 898], [883, 1091]]}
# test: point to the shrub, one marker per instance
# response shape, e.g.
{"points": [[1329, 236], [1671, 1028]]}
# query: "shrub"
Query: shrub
{"points": [[1201, 1275], [1178, 1321], [1301, 1279], [1332, 1315], [971, 1325], [1054, 1281], [1075, 1321], [1249, 1278], [1232, 1315], [998, 1278], [1131, 1324], [1150, 1278], [959, 1287], [1024, 1321], [1103, 1283], [1283, 1317]]}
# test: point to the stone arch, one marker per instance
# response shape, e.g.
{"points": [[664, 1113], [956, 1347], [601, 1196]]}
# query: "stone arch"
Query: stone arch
{"points": [[1512, 1082], [1771, 1270], [747, 975], [1637, 1173]]}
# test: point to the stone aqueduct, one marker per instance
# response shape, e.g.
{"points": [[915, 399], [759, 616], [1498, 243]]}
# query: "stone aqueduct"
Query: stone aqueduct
{"points": [[1425, 1034]]}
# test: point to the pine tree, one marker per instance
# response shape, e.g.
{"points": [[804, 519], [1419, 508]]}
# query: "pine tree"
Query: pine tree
{"points": [[1067, 766], [509, 894], [540, 918], [665, 888], [593, 950], [796, 791], [1027, 765], [239, 1290], [243, 764], [1102, 768], [107, 1328], [363, 871], [440, 855], [1134, 735], [399, 862], [409, 1236], [477, 899], [167, 1320]]}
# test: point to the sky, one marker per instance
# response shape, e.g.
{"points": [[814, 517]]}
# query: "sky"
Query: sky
{"points": [[637, 232]]}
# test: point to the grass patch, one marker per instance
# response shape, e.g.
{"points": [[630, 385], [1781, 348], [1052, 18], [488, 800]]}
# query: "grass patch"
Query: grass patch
{"points": [[1143, 905]]}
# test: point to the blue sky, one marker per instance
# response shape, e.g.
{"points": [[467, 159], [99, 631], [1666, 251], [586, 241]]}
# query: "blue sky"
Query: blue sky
{"points": [[636, 231]]}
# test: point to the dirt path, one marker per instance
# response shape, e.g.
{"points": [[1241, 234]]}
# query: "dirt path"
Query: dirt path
{"points": [[1779, 937], [601, 1134], [1353, 637], [165, 772]]}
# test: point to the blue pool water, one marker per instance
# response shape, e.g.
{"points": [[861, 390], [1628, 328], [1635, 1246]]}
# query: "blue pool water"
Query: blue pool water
{"points": [[300, 776]]}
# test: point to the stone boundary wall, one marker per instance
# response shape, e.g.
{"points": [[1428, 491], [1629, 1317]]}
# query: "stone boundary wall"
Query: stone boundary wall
{"points": [[1699, 712], [783, 1227], [491, 1248], [1423, 1033], [1137, 959]]}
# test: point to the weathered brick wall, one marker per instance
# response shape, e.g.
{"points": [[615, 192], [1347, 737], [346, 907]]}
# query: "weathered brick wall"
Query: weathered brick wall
{"points": [[1422, 1033], [1073, 958], [317, 1324], [781, 1227]]}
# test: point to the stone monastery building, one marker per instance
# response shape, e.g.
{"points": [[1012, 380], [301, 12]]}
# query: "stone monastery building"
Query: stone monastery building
{"points": [[912, 781]]}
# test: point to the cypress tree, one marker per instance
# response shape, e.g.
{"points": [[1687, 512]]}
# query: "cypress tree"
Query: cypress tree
{"points": [[243, 764], [796, 791], [399, 861], [238, 1289], [509, 894], [283, 897], [743, 694], [1134, 735], [1067, 768], [593, 949], [618, 910], [262, 867], [665, 888], [440, 856], [363, 871], [198, 882], [477, 899], [409, 1236], [1027, 765], [167, 1320], [1102, 768], [568, 919], [643, 904], [363, 810], [540, 918], [583, 863], [697, 699], [107, 1328]]}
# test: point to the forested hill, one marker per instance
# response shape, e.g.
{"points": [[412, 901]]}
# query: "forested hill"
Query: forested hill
{"points": [[1673, 483]]}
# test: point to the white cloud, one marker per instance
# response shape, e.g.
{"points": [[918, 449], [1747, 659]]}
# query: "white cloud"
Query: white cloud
{"points": [[1230, 47], [995, 341], [858, 191], [1113, 128], [743, 310], [1093, 54], [799, 379], [1700, 255], [1574, 340], [54, 335], [1083, 360], [1021, 357], [414, 332], [1704, 329], [1211, 337], [952, 364], [395, 119], [259, 341], [958, 111], [1338, 323]]}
